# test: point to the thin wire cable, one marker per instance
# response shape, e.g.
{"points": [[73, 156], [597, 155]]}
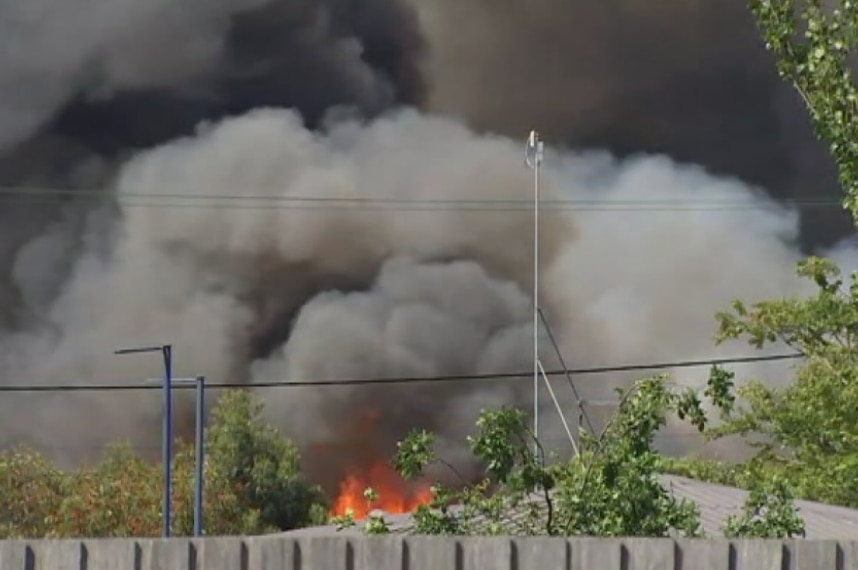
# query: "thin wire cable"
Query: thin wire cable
{"points": [[238, 201], [59, 192], [96, 443], [403, 208], [453, 206], [568, 376], [358, 206], [403, 379]]}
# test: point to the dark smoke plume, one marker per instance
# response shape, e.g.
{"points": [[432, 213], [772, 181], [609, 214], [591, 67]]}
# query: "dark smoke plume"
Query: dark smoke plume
{"points": [[686, 78], [266, 103], [86, 84]]}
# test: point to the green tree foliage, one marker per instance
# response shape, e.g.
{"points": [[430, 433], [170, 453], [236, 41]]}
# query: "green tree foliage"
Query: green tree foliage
{"points": [[611, 489], [31, 492], [768, 513], [115, 497], [253, 485], [812, 41], [806, 431], [259, 464]]}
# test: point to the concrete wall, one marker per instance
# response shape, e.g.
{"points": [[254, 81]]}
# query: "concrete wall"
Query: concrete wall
{"points": [[426, 553]]}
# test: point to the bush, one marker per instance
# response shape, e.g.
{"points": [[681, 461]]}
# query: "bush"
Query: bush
{"points": [[119, 496], [611, 489], [31, 491], [261, 467], [253, 485]]}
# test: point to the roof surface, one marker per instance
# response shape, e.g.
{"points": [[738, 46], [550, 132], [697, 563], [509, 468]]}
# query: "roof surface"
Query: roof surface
{"points": [[716, 503]]}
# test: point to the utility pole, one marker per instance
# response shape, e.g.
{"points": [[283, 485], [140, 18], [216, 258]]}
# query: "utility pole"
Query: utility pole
{"points": [[533, 155]]}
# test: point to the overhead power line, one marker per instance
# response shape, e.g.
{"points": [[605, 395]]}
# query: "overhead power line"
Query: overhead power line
{"points": [[405, 379], [180, 200], [93, 442]]}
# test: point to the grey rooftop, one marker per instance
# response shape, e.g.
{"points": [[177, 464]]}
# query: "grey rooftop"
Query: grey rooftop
{"points": [[716, 503]]}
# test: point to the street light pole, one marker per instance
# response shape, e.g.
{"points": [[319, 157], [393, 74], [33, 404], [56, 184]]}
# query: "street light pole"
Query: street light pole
{"points": [[199, 456], [166, 351]]}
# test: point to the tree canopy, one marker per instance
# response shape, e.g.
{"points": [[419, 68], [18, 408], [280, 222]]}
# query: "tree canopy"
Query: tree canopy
{"points": [[812, 42], [253, 485], [806, 432]]}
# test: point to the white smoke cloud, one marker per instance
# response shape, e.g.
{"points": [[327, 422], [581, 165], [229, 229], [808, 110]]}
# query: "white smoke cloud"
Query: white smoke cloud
{"points": [[262, 284]]}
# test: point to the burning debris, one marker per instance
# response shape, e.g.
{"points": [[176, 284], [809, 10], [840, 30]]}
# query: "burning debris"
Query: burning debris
{"points": [[390, 493]]}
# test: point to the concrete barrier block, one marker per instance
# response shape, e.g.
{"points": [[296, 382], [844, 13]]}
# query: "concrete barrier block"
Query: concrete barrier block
{"points": [[817, 554], [325, 553], [16, 555], [848, 555], [486, 553], [591, 553], [60, 555], [649, 554], [112, 553], [759, 554], [167, 554], [426, 553], [221, 553], [703, 553], [432, 553], [541, 553], [379, 552], [266, 552]]}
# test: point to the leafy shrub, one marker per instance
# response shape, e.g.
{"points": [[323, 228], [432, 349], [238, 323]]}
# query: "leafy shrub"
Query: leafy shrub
{"points": [[253, 484], [611, 489], [31, 491]]}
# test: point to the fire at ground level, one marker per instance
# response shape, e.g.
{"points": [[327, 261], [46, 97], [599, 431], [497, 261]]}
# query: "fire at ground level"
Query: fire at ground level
{"points": [[394, 494], [360, 458]]}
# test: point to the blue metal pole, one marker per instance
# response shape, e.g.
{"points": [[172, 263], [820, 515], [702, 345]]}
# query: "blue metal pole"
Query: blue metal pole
{"points": [[200, 457], [167, 352]]}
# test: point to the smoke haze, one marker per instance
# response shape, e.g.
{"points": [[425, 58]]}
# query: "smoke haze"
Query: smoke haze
{"points": [[303, 191], [687, 78]]}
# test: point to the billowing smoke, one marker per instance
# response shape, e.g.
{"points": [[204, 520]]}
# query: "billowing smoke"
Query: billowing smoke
{"points": [[86, 83], [687, 78], [294, 190]]}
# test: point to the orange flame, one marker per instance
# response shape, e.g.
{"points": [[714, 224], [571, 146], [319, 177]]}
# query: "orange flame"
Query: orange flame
{"points": [[395, 494]]}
